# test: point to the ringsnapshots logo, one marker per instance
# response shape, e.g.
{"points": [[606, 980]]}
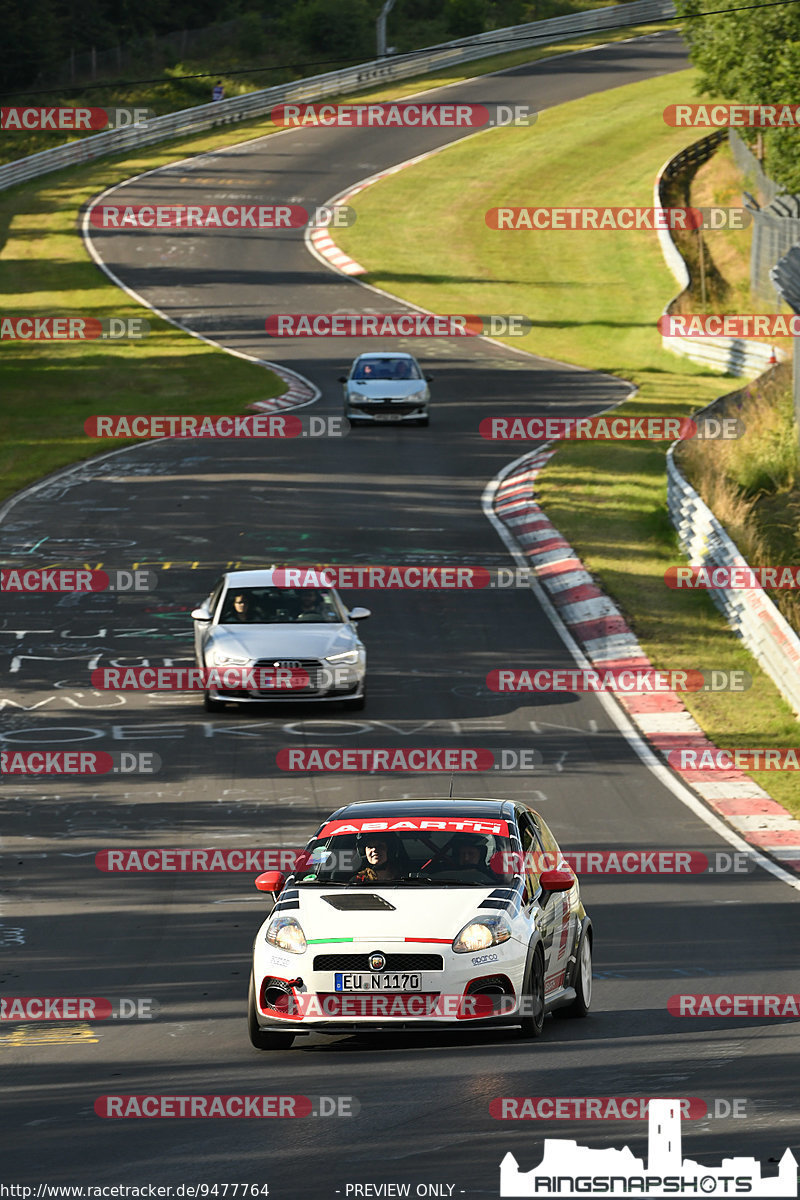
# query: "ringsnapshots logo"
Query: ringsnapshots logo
{"points": [[73, 329], [74, 119], [403, 115], [61, 579], [610, 429], [396, 325], [263, 425], [570, 1170], [195, 217], [618, 679], [629, 219]]}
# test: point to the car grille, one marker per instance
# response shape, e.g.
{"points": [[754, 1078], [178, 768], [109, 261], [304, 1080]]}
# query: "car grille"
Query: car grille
{"points": [[386, 405], [394, 962], [313, 668]]}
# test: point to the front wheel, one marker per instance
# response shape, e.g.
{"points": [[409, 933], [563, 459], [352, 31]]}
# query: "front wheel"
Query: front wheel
{"points": [[583, 980], [263, 1039], [533, 997]]}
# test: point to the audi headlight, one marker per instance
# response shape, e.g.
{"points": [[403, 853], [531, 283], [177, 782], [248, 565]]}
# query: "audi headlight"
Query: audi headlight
{"points": [[480, 935], [286, 934], [347, 656], [230, 660]]}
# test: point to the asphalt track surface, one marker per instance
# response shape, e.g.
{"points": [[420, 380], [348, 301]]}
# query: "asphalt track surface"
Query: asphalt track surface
{"points": [[381, 495]]}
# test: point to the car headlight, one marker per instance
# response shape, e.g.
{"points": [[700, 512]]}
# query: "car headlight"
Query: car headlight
{"points": [[347, 656], [286, 934], [480, 935], [230, 660]]}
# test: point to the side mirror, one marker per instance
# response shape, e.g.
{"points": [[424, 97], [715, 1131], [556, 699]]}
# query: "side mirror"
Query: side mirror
{"points": [[343, 379], [270, 881], [201, 614], [429, 379], [359, 614], [557, 881]]}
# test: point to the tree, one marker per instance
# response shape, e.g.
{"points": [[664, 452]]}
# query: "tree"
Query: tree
{"points": [[751, 57]]}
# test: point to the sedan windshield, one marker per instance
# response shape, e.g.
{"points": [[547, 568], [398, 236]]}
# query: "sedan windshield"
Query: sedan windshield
{"points": [[280, 606], [385, 368], [409, 859]]}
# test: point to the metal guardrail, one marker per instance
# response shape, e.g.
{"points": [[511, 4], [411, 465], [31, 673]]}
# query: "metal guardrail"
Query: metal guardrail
{"points": [[749, 612], [256, 104], [729, 356]]}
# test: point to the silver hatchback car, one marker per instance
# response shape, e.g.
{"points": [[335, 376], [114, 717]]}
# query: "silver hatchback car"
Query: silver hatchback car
{"points": [[256, 622], [386, 386]]}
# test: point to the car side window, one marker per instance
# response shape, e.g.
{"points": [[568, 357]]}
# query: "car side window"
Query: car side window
{"points": [[532, 849], [215, 595], [549, 842]]}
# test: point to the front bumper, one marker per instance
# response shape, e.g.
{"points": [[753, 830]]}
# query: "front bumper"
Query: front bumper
{"points": [[450, 996], [381, 411], [327, 683]]}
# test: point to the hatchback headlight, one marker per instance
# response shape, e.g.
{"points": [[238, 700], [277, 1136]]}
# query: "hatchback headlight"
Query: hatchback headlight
{"points": [[287, 934], [481, 934], [347, 656]]}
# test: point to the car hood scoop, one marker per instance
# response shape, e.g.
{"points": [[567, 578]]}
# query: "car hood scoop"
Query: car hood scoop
{"points": [[352, 902]]}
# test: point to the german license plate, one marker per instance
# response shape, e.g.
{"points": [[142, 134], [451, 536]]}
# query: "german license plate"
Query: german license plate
{"points": [[383, 981], [384, 417]]}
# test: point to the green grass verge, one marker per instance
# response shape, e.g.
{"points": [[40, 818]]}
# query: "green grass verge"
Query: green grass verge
{"points": [[594, 299], [50, 389]]}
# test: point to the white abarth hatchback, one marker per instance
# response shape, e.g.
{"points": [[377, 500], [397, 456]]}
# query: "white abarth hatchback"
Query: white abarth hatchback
{"points": [[410, 913]]}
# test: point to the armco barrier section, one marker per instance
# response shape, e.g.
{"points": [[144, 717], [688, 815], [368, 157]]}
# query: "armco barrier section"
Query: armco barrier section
{"points": [[730, 356], [749, 611], [318, 87]]}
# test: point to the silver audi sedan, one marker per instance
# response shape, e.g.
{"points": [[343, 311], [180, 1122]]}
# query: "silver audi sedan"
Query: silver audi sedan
{"points": [[388, 386], [260, 625]]}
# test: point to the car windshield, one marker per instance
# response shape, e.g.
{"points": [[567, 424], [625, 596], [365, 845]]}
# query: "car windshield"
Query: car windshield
{"points": [[385, 368], [408, 859], [279, 606]]}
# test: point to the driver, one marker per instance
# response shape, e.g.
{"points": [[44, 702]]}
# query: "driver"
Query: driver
{"points": [[471, 854], [380, 866]]}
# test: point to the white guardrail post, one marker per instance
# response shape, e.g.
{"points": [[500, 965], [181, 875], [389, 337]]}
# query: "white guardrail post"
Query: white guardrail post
{"points": [[257, 104]]}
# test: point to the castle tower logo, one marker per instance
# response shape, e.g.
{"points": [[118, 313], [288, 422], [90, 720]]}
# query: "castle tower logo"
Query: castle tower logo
{"points": [[568, 1169]]}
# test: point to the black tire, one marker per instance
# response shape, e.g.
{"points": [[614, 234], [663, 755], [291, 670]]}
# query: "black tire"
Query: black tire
{"points": [[426, 420], [263, 1039], [583, 980], [532, 1022], [357, 705], [213, 706]]}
